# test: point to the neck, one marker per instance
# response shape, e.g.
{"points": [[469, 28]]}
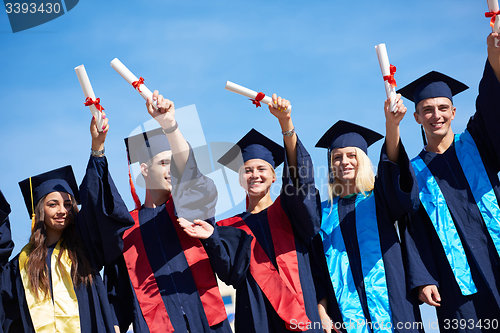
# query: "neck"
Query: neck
{"points": [[52, 237], [440, 144], [256, 205], [348, 188], [156, 198]]}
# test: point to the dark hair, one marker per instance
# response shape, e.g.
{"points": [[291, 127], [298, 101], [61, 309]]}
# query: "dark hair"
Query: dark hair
{"points": [[81, 272]]}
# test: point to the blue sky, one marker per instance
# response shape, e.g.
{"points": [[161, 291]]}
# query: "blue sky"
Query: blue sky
{"points": [[318, 54]]}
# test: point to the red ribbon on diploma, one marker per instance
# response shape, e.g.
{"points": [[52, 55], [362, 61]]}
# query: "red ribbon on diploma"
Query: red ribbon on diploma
{"points": [[493, 17], [260, 96], [390, 78], [89, 101], [136, 84]]}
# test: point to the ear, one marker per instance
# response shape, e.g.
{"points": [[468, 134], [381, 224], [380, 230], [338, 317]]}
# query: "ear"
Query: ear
{"points": [[417, 118], [144, 169], [453, 111]]}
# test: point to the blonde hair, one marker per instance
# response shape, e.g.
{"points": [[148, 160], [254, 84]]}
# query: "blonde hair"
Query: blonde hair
{"points": [[365, 176]]}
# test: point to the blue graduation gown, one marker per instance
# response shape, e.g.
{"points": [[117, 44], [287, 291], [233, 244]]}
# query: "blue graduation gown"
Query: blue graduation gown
{"points": [[229, 251], [194, 196], [103, 216], [427, 260], [396, 197]]}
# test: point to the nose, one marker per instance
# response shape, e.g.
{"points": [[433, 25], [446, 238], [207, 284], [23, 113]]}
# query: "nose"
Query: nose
{"points": [[61, 209], [345, 160]]}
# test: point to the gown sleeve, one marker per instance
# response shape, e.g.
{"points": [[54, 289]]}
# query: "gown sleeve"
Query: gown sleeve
{"points": [[9, 304], [417, 253], [483, 125], [103, 217], [397, 183], [302, 205], [229, 250], [6, 243], [194, 194]]}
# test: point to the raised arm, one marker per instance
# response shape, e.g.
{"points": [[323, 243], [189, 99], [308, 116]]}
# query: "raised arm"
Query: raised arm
{"points": [[165, 116], [103, 216], [392, 121], [6, 243], [494, 53], [290, 138]]}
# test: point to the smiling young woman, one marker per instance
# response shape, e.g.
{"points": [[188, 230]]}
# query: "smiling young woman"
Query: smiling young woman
{"points": [[264, 251], [54, 285], [358, 264]]}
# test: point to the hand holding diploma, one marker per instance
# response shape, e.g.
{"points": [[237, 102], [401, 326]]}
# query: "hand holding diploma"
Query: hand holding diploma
{"points": [[94, 103], [388, 71], [255, 97], [138, 84]]}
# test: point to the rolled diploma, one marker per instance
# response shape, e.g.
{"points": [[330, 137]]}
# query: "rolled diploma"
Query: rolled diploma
{"points": [[88, 92], [383, 60], [231, 86], [493, 7], [130, 77]]}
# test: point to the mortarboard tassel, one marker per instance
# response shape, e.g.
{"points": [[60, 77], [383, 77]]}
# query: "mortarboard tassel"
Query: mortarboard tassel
{"points": [[32, 208], [132, 190], [423, 135]]}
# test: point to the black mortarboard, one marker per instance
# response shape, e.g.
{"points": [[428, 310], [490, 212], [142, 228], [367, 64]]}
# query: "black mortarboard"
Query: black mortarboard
{"points": [[432, 84], [60, 180], [143, 147], [345, 134], [253, 145]]}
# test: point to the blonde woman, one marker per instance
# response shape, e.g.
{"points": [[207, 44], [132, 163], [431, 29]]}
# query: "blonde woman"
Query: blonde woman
{"points": [[359, 272]]}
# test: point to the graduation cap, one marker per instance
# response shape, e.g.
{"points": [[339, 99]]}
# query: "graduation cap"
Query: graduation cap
{"points": [[432, 84], [143, 147], [253, 145], [58, 180], [345, 134]]}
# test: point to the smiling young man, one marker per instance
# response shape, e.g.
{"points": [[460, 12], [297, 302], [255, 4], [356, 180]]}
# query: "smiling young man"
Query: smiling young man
{"points": [[453, 242], [164, 281]]}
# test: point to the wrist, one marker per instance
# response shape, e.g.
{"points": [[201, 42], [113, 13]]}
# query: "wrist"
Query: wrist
{"points": [[97, 153], [171, 128]]}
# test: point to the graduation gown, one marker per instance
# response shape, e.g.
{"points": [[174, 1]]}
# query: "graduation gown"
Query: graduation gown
{"points": [[100, 222], [428, 263], [229, 249], [395, 195], [171, 277]]}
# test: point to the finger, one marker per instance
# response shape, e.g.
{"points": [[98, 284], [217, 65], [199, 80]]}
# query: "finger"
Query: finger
{"points": [[168, 104], [278, 103], [286, 104], [160, 102], [155, 95], [275, 99], [437, 296]]}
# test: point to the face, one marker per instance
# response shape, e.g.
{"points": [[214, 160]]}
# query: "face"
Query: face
{"points": [[435, 115], [256, 177], [58, 209], [344, 164], [157, 172]]}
